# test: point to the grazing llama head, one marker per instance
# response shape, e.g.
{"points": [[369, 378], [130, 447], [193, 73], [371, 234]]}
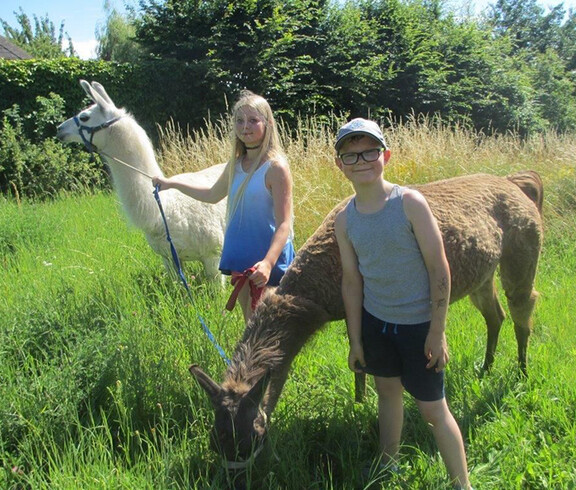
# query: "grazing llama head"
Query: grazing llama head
{"points": [[240, 424], [279, 327]]}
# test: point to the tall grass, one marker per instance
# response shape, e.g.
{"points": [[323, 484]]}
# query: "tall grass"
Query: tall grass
{"points": [[423, 149], [96, 340]]}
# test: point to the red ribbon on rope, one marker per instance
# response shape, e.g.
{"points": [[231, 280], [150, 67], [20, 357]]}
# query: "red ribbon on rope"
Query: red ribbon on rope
{"points": [[238, 281]]}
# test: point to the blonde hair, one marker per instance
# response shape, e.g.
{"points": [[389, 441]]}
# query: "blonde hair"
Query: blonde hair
{"points": [[270, 149]]}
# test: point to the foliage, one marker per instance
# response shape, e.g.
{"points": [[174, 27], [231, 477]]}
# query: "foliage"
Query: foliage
{"points": [[21, 82], [526, 24], [359, 84], [567, 41], [41, 167], [556, 97], [511, 71], [116, 39], [542, 46], [374, 57], [41, 41], [266, 45], [146, 89]]}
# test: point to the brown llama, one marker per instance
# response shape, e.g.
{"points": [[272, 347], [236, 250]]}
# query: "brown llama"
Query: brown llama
{"points": [[486, 222]]}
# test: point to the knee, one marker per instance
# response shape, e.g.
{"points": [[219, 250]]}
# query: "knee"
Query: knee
{"points": [[388, 388], [434, 413], [522, 300]]}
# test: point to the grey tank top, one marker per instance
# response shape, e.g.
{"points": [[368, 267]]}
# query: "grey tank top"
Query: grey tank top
{"points": [[396, 284]]}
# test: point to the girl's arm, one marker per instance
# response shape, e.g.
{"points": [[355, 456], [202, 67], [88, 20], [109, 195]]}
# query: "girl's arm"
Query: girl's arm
{"points": [[431, 245], [199, 191], [352, 293]]}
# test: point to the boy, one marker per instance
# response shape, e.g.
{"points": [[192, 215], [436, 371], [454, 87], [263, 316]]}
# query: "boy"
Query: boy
{"points": [[396, 290]]}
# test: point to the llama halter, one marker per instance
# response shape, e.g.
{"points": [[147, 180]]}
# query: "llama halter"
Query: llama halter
{"points": [[91, 131], [92, 148], [244, 463]]}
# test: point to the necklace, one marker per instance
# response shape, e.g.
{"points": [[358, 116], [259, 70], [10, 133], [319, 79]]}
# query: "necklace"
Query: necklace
{"points": [[253, 147]]}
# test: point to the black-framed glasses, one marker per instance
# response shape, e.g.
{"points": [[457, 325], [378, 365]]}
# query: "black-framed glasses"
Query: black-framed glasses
{"points": [[367, 155]]}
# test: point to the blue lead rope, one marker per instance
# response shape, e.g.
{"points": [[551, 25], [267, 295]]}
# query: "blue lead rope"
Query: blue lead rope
{"points": [[183, 279]]}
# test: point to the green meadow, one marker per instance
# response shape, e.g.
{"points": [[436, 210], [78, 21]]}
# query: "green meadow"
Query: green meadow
{"points": [[96, 340]]}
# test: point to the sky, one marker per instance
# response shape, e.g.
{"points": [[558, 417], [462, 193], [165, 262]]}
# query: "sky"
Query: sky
{"points": [[82, 18]]}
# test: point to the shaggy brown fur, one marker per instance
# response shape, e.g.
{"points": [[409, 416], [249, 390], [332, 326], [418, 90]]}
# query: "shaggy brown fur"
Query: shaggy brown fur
{"points": [[486, 222]]}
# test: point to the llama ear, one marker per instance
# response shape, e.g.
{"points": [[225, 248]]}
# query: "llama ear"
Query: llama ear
{"points": [[94, 95], [97, 87], [210, 386], [256, 393], [87, 88]]}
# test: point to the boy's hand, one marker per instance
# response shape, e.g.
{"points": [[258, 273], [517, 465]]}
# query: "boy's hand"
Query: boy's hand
{"points": [[436, 351], [356, 358]]}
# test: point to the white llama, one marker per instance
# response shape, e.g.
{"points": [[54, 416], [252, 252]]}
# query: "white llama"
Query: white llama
{"points": [[196, 228]]}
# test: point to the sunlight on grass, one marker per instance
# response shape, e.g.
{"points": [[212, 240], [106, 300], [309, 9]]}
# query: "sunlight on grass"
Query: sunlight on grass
{"points": [[97, 339]]}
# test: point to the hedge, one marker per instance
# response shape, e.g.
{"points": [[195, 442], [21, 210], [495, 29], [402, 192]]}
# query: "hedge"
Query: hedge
{"points": [[153, 92]]}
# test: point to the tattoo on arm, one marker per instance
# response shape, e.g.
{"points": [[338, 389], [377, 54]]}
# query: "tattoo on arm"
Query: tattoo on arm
{"points": [[441, 303], [443, 284], [443, 287]]}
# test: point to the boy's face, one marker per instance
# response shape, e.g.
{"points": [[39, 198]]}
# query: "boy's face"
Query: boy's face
{"points": [[360, 150]]}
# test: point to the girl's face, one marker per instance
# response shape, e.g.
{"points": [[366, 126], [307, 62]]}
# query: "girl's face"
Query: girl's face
{"points": [[250, 126]]}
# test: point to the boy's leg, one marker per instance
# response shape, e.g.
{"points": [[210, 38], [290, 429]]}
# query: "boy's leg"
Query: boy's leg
{"points": [[390, 415], [448, 439]]}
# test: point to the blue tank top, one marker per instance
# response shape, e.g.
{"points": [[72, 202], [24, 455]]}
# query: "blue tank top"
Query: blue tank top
{"points": [[396, 284], [252, 226]]}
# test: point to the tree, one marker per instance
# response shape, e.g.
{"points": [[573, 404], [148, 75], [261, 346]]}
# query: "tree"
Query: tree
{"points": [[567, 44], [268, 46], [544, 44], [117, 38], [525, 22], [369, 58], [40, 41], [556, 91], [358, 59]]}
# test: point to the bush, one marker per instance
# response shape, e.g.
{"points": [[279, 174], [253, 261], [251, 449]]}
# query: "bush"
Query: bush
{"points": [[41, 167], [154, 91]]}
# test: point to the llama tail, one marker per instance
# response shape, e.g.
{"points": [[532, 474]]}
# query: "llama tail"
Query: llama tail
{"points": [[530, 183]]}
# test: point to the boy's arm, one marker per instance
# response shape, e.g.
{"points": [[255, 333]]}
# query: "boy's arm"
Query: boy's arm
{"points": [[431, 245], [352, 293]]}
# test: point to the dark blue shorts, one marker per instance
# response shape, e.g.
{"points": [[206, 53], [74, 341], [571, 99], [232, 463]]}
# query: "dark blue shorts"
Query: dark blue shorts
{"points": [[392, 350]]}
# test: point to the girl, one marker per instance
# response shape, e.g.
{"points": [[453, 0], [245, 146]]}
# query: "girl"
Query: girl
{"points": [[258, 183]]}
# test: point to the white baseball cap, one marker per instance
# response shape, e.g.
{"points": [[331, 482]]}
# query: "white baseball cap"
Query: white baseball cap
{"points": [[360, 126]]}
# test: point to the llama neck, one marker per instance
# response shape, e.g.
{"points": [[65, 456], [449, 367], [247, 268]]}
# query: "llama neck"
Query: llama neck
{"points": [[274, 336], [128, 143]]}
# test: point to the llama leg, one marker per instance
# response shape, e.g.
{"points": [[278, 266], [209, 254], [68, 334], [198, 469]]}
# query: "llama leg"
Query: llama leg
{"points": [[359, 387], [521, 307], [486, 300], [518, 270], [212, 272]]}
